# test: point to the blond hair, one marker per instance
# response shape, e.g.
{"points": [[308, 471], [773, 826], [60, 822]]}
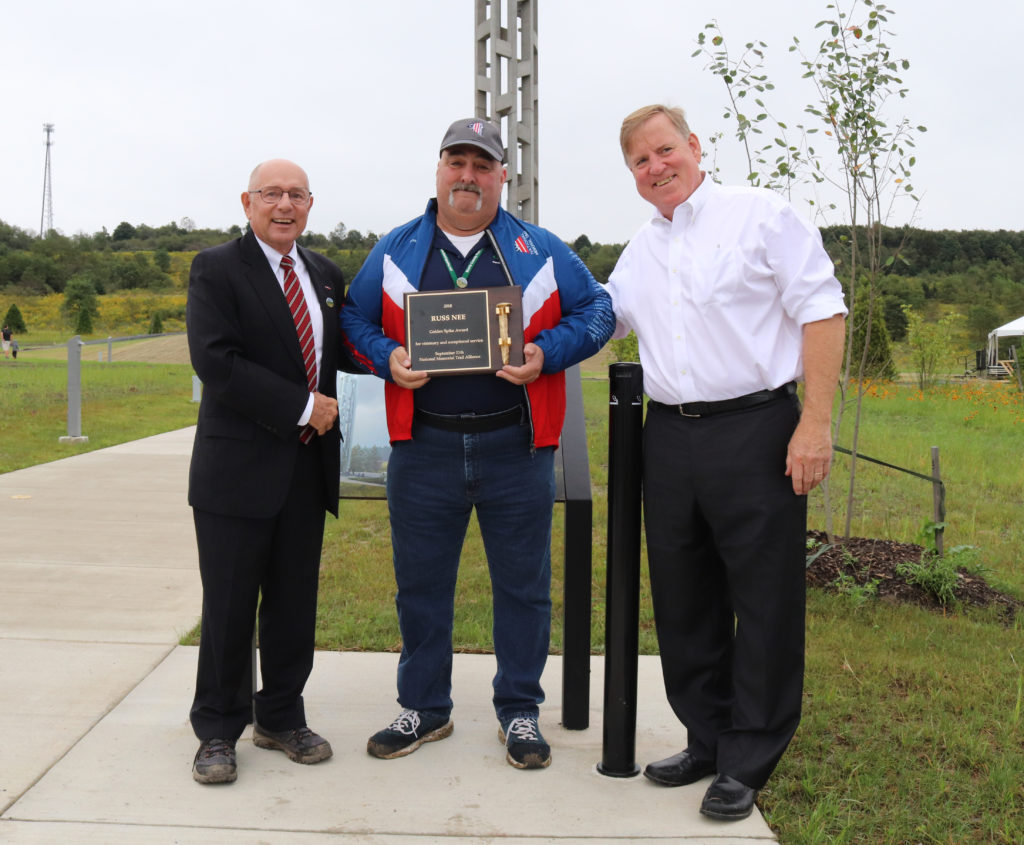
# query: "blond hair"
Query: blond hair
{"points": [[634, 121]]}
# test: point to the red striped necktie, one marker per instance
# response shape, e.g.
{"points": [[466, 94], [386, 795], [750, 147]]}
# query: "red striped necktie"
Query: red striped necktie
{"points": [[304, 326]]}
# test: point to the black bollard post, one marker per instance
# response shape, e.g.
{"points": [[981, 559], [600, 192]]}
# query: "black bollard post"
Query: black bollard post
{"points": [[622, 598], [578, 569]]}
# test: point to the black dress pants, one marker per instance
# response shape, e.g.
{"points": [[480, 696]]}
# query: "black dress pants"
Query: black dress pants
{"points": [[726, 539], [274, 563]]}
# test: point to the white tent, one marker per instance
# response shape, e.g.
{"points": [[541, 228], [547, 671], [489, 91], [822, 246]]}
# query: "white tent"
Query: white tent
{"points": [[1011, 329]]}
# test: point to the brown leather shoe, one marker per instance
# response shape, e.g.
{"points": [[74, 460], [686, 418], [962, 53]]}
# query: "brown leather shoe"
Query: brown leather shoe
{"points": [[215, 762], [728, 800], [679, 769], [300, 744]]}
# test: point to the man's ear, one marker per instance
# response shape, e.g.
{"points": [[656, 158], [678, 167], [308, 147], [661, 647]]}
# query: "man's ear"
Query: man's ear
{"points": [[694, 143]]}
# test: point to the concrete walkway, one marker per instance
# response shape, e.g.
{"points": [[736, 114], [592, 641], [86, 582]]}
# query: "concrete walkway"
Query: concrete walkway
{"points": [[98, 574]]}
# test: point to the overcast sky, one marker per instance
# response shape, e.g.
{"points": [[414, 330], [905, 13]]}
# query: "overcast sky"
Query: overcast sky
{"points": [[162, 109]]}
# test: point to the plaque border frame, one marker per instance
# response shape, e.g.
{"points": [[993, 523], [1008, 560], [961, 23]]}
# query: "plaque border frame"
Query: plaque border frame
{"points": [[489, 294]]}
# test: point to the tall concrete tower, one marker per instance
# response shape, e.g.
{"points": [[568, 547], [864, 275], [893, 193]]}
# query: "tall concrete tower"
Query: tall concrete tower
{"points": [[506, 91]]}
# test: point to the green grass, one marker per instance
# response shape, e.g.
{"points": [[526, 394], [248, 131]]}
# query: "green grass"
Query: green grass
{"points": [[913, 728], [42, 338], [911, 731], [979, 429], [120, 402]]}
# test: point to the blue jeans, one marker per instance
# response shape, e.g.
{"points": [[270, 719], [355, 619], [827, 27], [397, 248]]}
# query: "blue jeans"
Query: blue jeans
{"points": [[434, 482]]}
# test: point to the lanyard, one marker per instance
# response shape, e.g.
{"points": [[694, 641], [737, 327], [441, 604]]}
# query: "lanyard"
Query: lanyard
{"points": [[463, 280]]}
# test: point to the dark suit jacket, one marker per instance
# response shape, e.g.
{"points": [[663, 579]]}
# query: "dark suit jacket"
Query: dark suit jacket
{"points": [[245, 349]]}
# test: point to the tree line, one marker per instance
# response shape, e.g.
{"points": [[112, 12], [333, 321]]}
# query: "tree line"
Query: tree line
{"points": [[979, 272], [138, 257]]}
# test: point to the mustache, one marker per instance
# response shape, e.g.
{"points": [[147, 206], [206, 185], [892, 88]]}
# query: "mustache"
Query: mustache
{"points": [[464, 186]]}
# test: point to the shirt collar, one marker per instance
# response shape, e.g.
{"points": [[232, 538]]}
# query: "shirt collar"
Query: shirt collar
{"points": [[448, 242], [274, 257], [692, 204]]}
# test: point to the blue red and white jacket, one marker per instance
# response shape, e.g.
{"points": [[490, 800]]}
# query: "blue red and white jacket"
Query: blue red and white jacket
{"points": [[565, 312]]}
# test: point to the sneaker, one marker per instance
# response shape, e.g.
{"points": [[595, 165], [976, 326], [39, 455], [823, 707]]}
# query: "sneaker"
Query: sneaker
{"points": [[300, 744], [215, 762], [407, 733], [524, 744]]}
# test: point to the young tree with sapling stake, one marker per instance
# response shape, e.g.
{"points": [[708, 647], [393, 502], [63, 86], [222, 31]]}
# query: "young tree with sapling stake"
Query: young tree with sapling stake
{"points": [[854, 76]]}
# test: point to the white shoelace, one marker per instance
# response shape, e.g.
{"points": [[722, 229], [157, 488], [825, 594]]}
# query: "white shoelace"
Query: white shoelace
{"points": [[524, 729], [407, 723]]}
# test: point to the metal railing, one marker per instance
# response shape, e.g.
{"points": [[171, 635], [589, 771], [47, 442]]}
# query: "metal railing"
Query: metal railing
{"points": [[938, 487], [74, 347]]}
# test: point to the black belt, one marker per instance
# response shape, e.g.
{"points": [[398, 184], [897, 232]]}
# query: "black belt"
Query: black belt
{"points": [[706, 409], [471, 423]]}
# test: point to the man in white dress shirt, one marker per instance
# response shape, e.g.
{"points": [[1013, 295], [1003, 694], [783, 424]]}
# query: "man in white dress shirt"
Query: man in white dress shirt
{"points": [[733, 300]]}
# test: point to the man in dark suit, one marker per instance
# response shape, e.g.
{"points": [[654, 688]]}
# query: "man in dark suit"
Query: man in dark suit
{"points": [[263, 336]]}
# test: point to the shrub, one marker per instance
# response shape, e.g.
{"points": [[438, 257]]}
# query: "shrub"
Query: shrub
{"points": [[83, 323], [625, 348], [80, 303], [15, 320]]}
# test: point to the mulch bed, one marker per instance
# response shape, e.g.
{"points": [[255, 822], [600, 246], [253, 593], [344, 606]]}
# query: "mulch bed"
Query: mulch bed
{"points": [[865, 560]]}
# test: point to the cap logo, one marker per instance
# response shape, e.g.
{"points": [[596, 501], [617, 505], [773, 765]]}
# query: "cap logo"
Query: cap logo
{"points": [[477, 127]]}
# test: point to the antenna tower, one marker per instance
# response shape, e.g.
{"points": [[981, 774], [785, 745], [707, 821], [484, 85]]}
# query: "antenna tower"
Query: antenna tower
{"points": [[46, 218]]}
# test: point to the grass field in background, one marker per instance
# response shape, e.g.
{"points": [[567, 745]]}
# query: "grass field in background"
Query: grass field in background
{"points": [[120, 402], [979, 429], [913, 728]]}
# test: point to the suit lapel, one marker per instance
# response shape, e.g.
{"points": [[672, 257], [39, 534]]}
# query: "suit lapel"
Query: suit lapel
{"points": [[325, 292], [266, 286]]}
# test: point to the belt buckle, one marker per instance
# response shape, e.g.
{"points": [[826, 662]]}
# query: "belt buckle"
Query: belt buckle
{"points": [[683, 413]]}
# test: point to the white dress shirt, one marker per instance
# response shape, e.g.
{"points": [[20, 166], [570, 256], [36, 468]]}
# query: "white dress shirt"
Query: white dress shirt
{"points": [[312, 305], [718, 295]]}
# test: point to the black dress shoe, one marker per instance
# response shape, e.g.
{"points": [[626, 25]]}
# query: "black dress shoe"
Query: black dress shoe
{"points": [[215, 762], [728, 799], [679, 770], [300, 744]]}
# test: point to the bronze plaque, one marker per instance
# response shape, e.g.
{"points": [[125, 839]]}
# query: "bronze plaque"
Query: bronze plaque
{"points": [[452, 332]]}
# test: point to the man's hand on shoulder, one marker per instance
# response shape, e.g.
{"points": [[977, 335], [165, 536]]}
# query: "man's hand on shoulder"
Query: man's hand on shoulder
{"points": [[402, 372], [325, 412], [529, 371]]}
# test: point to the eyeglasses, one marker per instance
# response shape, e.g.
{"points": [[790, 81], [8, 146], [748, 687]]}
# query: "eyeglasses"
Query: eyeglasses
{"points": [[273, 195]]}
